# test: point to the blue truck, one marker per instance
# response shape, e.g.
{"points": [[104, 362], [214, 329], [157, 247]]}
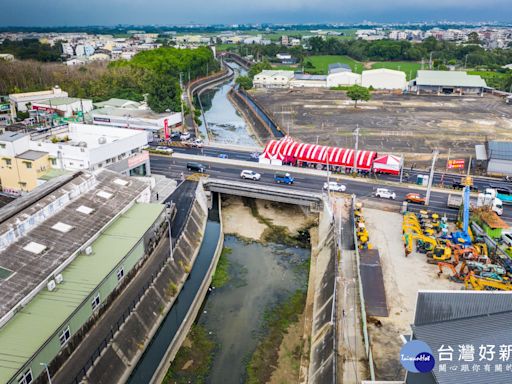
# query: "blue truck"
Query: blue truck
{"points": [[283, 177]]}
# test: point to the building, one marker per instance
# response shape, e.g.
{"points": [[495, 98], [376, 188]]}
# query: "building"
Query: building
{"points": [[85, 146], [499, 158], [338, 67], [21, 169], [22, 101], [383, 78], [340, 78], [64, 106], [447, 82], [65, 249], [139, 119], [308, 81], [273, 79], [118, 103], [447, 320]]}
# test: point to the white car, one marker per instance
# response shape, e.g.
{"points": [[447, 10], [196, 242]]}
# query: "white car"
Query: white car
{"points": [[334, 186], [385, 193], [248, 174], [185, 136], [197, 143], [165, 149]]}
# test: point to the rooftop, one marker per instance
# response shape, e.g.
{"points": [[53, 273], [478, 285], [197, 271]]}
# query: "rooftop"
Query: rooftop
{"points": [[305, 76], [339, 67], [41, 318], [31, 155], [55, 102], [500, 150], [117, 103], [449, 78], [273, 72], [11, 136], [131, 112], [33, 224]]}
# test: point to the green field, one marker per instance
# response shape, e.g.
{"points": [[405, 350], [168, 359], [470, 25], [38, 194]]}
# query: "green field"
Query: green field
{"points": [[409, 67], [321, 63]]}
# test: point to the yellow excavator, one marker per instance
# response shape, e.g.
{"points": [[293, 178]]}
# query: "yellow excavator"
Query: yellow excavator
{"points": [[485, 284]]}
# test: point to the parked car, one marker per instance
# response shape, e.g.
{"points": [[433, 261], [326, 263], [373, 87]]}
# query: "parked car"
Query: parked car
{"points": [[164, 149], [197, 143], [185, 136], [223, 156], [283, 177], [248, 174], [385, 193], [176, 135], [334, 186], [196, 167], [415, 198]]}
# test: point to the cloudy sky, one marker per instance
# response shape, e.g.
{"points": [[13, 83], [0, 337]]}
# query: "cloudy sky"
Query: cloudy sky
{"points": [[111, 12]]}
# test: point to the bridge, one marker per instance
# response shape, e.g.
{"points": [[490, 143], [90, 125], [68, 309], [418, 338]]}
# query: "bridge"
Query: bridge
{"points": [[313, 201], [244, 63]]}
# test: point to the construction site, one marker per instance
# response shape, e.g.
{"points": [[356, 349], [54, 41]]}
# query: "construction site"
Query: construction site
{"points": [[403, 253], [394, 123]]}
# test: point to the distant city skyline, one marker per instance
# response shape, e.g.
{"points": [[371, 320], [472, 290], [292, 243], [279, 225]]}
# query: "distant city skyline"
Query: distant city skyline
{"points": [[162, 12]]}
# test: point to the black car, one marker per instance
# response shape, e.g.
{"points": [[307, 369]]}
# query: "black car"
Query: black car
{"points": [[196, 167], [459, 185], [500, 189]]}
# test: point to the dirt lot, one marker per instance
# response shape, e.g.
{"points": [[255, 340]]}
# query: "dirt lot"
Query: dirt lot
{"points": [[408, 124], [403, 277]]}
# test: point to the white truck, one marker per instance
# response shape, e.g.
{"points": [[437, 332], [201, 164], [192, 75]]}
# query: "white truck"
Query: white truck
{"points": [[486, 199]]}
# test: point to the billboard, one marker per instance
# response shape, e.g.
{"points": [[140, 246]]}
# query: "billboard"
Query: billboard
{"points": [[455, 164]]}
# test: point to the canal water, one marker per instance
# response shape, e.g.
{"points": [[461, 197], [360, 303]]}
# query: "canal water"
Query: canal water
{"points": [[261, 277], [225, 124]]}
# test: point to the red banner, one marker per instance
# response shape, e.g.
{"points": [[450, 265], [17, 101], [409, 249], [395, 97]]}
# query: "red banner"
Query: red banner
{"points": [[455, 164], [166, 129]]}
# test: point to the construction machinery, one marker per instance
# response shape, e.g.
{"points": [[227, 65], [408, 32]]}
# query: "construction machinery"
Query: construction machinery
{"points": [[485, 284]]}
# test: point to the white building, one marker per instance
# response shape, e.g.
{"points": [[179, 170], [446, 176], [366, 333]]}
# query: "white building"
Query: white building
{"points": [[343, 78], [308, 81], [273, 79], [139, 119], [85, 146], [64, 106], [19, 101], [383, 78]]}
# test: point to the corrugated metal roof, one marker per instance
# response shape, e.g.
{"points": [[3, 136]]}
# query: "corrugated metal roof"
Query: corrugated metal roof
{"points": [[501, 150], [493, 329], [449, 79], [500, 167], [439, 306], [305, 76], [481, 153]]}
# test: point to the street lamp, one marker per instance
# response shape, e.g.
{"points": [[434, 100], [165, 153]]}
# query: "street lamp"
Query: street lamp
{"points": [[47, 372]]}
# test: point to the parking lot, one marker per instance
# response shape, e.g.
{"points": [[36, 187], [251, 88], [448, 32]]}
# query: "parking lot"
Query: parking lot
{"points": [[409, 124]]}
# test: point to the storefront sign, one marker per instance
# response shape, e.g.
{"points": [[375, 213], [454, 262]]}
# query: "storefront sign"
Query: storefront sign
{"points": [[456, 164]]}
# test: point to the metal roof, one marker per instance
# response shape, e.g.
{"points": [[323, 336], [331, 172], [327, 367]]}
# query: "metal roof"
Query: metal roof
{"points": [[480, 152], [31, 155], [11, 136], [339, 67], [500, 150], [56, 101], [449, 79], [305, 76], [500, 167], [33, 325]]}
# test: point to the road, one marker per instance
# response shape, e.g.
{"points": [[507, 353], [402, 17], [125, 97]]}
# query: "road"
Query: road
{"points": [[173, 167]]}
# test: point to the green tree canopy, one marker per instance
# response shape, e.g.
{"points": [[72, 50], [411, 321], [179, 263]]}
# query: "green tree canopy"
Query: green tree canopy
{"points": [[244, 81], [163, 93], [356, 93]]}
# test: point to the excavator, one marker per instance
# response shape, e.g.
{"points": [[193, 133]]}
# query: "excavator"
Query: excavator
{"points": [[423, 243], [485, 284]]}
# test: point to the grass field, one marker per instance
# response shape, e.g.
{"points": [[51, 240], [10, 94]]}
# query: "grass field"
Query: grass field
{"points": [[409, 67], [321, 63]]}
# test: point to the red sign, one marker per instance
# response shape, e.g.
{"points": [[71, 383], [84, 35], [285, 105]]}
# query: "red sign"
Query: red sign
{"points": [[166, 129], [455, 164]]}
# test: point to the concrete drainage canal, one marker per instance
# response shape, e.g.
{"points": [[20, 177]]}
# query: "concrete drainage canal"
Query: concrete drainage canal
{"points": [[251, 326]]}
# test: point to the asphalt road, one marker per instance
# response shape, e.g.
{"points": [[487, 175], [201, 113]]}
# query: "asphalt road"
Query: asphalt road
{"points": [[173, 167]]}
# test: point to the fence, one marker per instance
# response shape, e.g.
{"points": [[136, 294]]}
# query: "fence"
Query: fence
{"points": [[366, 336]]}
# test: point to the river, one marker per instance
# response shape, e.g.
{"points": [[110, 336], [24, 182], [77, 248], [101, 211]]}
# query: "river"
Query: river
{"points": [[261, 276], [225, 124]]}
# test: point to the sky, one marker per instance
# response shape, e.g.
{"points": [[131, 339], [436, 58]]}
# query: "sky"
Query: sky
{"points": [[164, 12]]}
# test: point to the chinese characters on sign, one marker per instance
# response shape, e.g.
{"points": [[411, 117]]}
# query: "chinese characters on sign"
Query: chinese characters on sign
{"points": [[469, 358], [455, 164]]}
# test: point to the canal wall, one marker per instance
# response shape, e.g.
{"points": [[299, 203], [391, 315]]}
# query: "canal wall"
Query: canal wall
{"points": [[194, 308], [128, 345]]}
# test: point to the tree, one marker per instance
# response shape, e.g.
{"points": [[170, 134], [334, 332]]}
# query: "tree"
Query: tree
{"points": [[356, 93], [473, 38], [244, 82], [163, 93], [257, 68]]}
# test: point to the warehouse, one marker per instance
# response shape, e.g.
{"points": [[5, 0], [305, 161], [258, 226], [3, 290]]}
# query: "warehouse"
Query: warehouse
{"points": [[273, 79], [308, 81], [447, 83], [342, 79], [383, 78], [499, 158]]}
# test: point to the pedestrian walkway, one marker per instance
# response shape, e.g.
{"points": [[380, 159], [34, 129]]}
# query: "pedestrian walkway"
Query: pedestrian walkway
{"points": [[164, 186]]}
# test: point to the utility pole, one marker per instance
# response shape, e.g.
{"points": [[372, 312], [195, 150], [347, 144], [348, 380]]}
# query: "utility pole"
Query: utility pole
{"points": [[356, 132], [401, 168], [82, 107], [430, 61], [430, 179], [469, 165]]}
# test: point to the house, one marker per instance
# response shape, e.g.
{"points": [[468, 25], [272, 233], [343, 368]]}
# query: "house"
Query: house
{"points": [[447, 83], [64, 106], [383, 78], [273, 79], [460, 327]]}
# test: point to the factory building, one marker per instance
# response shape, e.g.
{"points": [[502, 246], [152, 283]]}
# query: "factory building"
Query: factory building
{"points": [[384, 79], [447, 83]]}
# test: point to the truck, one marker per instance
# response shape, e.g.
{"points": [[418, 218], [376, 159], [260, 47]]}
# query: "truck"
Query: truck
{"points": [[486, 199], [283, 177]]}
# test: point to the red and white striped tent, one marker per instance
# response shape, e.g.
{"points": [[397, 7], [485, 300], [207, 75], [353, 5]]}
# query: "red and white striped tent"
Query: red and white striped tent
{"points": [[388, 164], [293, 151]]}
